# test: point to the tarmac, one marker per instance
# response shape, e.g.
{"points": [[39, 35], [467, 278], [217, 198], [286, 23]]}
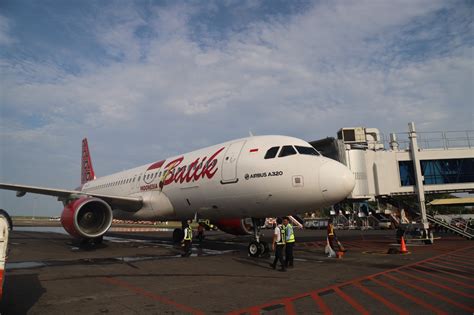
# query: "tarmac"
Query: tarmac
{"points": [[140, 271]]}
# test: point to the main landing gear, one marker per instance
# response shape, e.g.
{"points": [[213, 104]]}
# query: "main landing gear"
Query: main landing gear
{"points": [[178, 233], [257, 248]]}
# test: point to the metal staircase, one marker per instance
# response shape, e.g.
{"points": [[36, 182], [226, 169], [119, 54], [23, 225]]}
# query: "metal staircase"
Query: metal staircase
{"points": [[465, 231], [296, 220], [373, 221], [394, 219]]}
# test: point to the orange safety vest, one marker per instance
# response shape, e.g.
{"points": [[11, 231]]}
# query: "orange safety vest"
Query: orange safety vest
{"points": [[330, 229]]}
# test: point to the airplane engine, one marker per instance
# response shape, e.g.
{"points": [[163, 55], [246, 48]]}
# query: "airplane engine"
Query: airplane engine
{"points": [[87, 218], [235, 226]]}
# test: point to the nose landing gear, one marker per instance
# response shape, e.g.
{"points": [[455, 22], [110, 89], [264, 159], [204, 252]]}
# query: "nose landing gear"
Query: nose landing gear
{"points": [[257, 248]]}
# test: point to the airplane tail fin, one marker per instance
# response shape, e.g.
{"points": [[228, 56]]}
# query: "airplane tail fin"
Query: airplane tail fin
{"points": [[87, 171]]}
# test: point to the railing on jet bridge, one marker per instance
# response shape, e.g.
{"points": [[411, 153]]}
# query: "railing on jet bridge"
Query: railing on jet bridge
{"points": [[435, 140]]}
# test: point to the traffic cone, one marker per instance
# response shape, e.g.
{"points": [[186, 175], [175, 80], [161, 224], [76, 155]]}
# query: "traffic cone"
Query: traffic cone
{"points": [[403, 247]]}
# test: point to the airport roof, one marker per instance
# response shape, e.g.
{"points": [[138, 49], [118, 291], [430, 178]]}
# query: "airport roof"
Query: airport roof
{"points": [[465, 201]]}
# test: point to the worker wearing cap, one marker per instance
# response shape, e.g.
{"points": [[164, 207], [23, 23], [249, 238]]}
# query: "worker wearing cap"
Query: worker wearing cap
{"points": [[278, 245], [331, 237], [289, 242], [187, 239]]}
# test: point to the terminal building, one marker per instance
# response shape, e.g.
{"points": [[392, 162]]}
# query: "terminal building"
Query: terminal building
{"points": [[411, 163]]}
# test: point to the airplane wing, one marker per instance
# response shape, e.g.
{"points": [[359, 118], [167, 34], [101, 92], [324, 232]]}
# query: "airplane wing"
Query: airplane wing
{"points": [[125, 203]]}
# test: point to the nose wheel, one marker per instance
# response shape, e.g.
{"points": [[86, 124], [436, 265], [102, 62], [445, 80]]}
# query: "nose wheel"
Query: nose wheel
{"points": [[257, 248], [254, 249]]}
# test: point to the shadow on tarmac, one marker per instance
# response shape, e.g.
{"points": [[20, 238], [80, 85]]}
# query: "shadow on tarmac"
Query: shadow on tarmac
{"points": [[20, 293]]}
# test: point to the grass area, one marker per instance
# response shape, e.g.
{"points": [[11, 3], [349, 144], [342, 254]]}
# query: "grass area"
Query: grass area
{"points": [[25, 217], [38, 221]]}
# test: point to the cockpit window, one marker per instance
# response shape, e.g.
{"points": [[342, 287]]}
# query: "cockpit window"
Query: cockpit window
{"points": [[271, 153], [306, 150], [287, 150]]}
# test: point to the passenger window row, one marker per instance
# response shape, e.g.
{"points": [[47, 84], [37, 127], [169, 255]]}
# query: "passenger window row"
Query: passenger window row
{"points": [[151, 175], [288, 150], [125, 181]]}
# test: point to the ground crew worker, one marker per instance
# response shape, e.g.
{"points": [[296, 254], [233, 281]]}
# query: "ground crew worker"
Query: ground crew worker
{"points": [[336, 246], [187, 239], [278, 245], [331, 237], [289, 242], [200, 235]]}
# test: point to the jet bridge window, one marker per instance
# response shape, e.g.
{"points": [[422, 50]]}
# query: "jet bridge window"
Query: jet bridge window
{"points": [[287, 150], [271, 153], [306, 150], [442, 171]]}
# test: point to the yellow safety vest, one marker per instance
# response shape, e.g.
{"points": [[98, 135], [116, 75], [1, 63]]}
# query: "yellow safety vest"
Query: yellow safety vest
{"points": [[189, 234], [282, 236], [289, 232]]}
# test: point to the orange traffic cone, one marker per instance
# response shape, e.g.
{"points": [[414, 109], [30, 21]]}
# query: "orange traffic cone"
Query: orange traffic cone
{"points": [[403, 247]]}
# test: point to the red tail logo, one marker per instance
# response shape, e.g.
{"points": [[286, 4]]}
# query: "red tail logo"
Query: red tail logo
{"points": [[87, 171]]}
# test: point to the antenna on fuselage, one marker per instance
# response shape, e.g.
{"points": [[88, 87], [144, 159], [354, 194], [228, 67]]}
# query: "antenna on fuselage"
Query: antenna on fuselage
{"points": [[250, 133]]}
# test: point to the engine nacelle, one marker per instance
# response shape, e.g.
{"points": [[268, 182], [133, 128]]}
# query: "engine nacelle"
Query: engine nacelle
{"points": [[87, 217], [235, 226]]}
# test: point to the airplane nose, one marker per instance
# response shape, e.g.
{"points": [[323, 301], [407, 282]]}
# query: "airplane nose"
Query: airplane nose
{"points": [[336, 181]]}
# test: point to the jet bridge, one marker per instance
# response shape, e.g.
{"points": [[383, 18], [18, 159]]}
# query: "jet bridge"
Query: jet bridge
{"points": [[410, 163]]}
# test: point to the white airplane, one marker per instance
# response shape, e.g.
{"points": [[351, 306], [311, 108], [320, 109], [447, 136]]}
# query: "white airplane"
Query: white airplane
{"points": [[236, 185]]}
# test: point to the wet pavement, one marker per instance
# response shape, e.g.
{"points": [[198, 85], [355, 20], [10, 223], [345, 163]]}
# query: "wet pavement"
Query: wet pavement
{"points": [[142, 272]]}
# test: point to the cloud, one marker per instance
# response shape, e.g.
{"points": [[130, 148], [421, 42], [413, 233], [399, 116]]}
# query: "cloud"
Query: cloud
{"points": [[167, 79], [5, 37]]}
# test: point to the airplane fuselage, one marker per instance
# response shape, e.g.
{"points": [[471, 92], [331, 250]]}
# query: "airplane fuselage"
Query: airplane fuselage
{"points": [[258, 176]]}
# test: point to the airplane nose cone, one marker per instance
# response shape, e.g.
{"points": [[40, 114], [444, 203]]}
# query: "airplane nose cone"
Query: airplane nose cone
{"points": [[336, 181]]}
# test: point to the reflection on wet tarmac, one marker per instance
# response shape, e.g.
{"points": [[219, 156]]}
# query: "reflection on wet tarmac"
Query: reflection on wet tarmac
{"points": [[125, 259], [43, 229], [195, 252], [25, 265], [197, 249]]}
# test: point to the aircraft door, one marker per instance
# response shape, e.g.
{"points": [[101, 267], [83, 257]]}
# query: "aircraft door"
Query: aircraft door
{"points": [[229, 163]]}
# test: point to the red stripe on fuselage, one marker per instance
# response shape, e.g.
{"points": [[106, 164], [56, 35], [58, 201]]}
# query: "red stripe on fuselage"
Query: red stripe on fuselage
{"points": [[156, 165]]}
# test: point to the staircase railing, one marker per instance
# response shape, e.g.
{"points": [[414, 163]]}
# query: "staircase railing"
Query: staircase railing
{"points": [[466, 231], [395, 220]]}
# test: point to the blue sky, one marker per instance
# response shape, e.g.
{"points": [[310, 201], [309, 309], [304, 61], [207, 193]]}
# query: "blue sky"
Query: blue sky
{"points": [[145, 80]]}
